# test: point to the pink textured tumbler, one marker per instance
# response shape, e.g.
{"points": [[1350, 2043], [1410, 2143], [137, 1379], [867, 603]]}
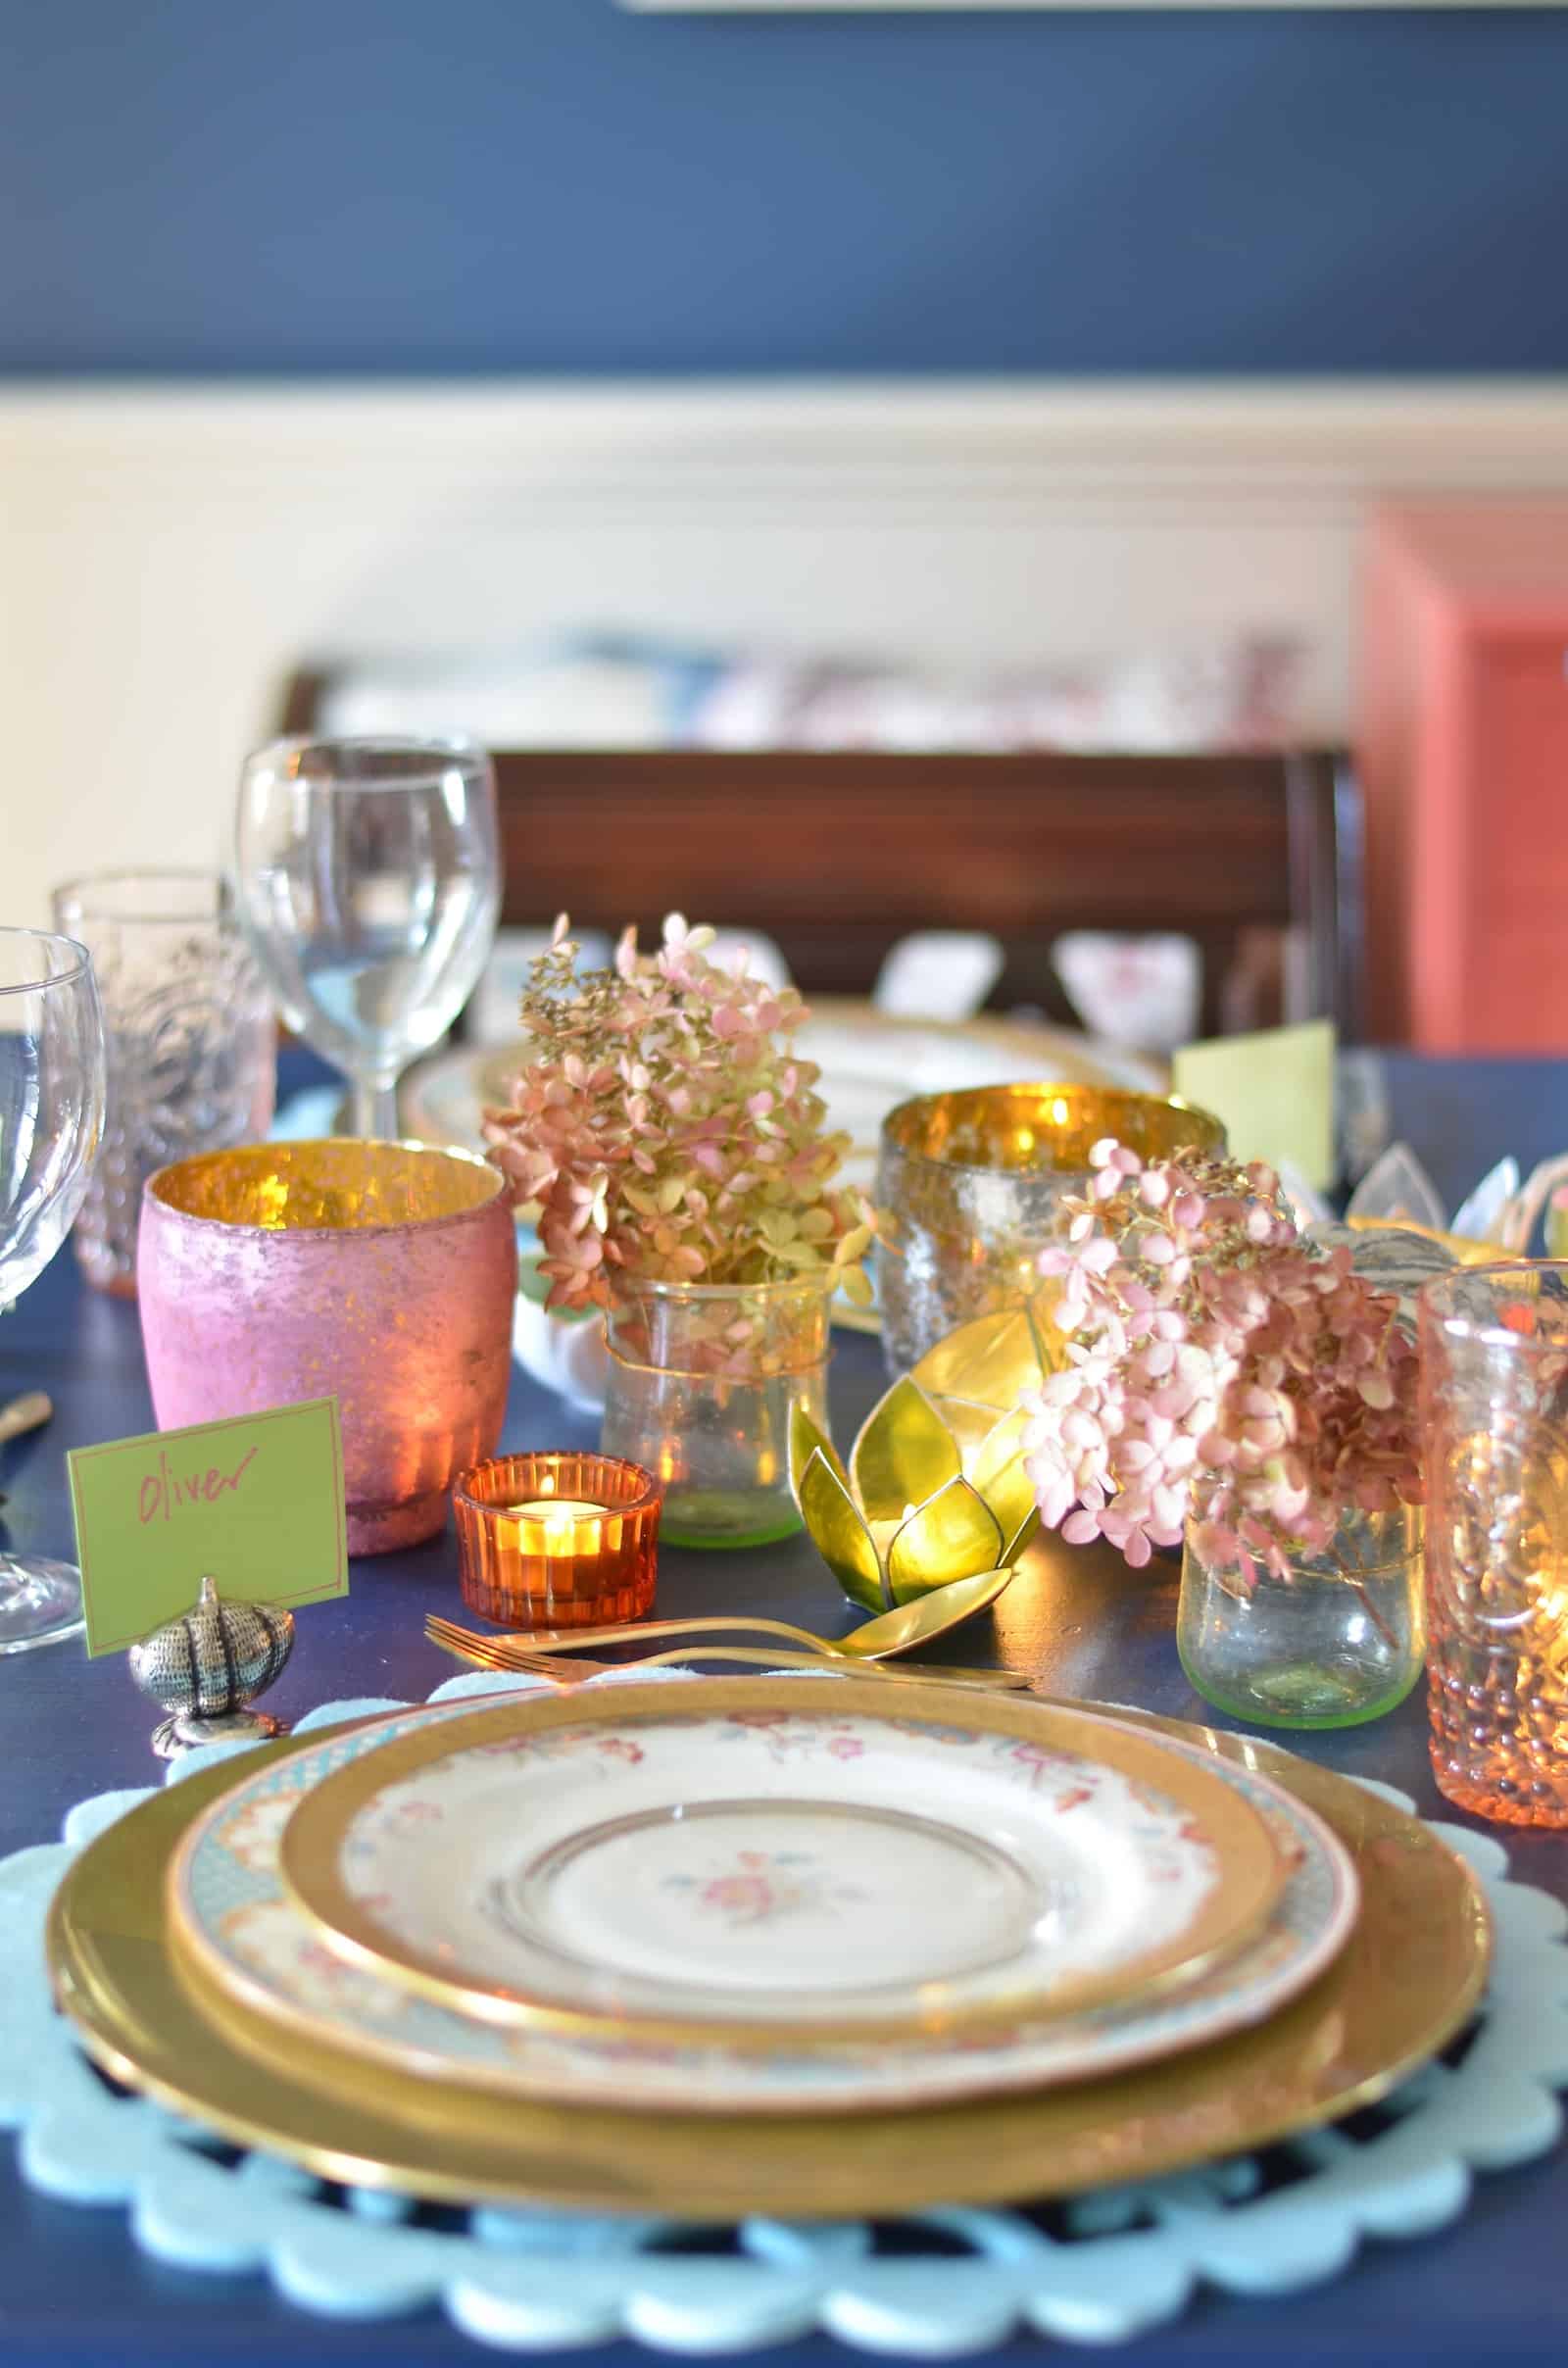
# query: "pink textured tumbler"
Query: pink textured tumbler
{"points": [[383, 1275]]}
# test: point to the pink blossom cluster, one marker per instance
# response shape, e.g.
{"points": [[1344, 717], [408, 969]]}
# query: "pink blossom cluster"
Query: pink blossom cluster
{"points": [[667, 1129], [1217, 1369]]}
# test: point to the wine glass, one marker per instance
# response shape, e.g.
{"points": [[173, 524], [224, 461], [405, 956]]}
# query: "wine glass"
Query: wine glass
{"points": [[51, 1120], [369, 889]]}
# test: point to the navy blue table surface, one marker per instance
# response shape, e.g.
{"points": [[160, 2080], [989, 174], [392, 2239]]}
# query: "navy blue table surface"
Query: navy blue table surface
{"points": [[73, 2289]]}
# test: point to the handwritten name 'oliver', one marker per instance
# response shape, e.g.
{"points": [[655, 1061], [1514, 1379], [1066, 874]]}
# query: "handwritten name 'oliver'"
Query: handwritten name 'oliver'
{"points": [[166, 1491]]}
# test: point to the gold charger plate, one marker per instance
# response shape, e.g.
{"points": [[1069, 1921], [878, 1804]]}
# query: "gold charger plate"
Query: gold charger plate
{"points": [[1042, 1767], [1407, 1981]]}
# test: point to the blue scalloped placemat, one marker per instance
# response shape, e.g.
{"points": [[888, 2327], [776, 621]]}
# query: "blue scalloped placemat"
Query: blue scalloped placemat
{"points": [[1091, 2270]]}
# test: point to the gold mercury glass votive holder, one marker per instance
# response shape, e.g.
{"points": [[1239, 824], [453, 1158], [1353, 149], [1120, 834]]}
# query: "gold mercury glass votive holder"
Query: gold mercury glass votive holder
{"points": [[974, 1184], [558, 1540], [381, 1275]]}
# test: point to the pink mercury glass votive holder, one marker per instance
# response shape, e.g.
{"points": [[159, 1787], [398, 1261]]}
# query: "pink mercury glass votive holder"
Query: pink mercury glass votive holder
{"points": [[558, 1541], [381, 1275]]}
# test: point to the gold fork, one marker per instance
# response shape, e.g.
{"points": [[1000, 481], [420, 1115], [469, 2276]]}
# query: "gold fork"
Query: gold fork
{"points": [[499, 1653]]}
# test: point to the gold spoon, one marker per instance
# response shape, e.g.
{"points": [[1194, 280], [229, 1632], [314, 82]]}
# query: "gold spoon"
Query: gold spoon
{"points": [[23, 1414], [900, 1630]]}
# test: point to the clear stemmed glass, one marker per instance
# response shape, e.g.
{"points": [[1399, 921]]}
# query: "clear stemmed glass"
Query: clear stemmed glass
{"points": [[51, 1120], [369, 889]]}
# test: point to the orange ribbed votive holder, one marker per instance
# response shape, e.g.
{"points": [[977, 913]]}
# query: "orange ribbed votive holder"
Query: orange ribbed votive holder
{"points": [[558, 1540]]}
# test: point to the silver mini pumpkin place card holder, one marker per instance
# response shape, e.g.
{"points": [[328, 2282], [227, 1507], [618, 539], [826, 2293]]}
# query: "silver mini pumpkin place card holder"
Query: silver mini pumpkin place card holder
{"points": [[207, 1668]]}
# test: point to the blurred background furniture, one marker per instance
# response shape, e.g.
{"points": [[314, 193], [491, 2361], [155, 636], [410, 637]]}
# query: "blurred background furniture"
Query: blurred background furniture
{"points": [[838, 855], [1463, 756], [973, 534]]}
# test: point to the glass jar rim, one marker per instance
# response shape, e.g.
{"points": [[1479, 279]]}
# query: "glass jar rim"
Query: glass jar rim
{"points": [[649, 1495], [1490, 1329], [823, 1280], [160, 1188], [439, 750], [86, 894], [1397, 1559], [1124, 1099]]}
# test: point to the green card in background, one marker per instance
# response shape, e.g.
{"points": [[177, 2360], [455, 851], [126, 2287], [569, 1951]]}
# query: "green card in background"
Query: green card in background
{"points": [[255, 1503], [1274, 1092]]}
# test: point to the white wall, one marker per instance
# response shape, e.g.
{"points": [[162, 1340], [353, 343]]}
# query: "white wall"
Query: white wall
{"points": [[167, 552]]}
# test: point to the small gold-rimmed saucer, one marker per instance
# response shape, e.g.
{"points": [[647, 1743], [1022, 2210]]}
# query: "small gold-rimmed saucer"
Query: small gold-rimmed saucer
{"points": [[830, 1865]]}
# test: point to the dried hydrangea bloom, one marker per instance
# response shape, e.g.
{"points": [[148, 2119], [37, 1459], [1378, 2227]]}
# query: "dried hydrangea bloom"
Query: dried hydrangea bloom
{"points": [[1217, 1369], [668, 1130]]}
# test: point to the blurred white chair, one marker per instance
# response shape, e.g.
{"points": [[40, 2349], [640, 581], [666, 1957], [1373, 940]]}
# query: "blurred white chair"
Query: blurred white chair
{"points": [[938, 974], [1143, 991], [763, 960]]}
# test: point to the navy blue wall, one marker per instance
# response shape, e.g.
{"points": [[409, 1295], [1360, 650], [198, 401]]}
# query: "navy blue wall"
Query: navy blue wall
{"points": [[552, 185]]}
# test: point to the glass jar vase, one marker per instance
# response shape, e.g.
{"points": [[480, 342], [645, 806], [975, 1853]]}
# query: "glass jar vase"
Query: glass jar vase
{"points": [[1338, 1641], [701, 1383]]}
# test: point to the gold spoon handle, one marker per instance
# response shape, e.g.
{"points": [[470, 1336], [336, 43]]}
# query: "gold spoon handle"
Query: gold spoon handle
{"points": [[566, 1640], [903, 1673]]}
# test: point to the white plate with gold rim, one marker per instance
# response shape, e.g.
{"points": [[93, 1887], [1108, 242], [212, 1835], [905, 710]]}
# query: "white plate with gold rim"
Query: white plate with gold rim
{"points": [[812, 1873], [238, 1930]]}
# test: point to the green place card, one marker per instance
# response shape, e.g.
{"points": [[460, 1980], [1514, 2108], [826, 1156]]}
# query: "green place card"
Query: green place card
{"points": [[1274, 1091], [255, 1503]]}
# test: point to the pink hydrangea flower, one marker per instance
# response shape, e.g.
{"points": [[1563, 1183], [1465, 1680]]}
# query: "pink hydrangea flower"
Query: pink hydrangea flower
{"points": [[1217, 1369]]}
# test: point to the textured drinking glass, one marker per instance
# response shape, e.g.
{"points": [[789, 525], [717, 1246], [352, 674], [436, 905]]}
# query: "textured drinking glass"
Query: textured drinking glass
{"points": [[974, 1183], [1494, 1449], [701, 1380], [51, 1117], [370, 887], [189, 1037]]}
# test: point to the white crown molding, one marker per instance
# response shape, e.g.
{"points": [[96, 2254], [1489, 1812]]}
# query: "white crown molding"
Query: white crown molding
{"points": [[1275, 423], [877, 450]]}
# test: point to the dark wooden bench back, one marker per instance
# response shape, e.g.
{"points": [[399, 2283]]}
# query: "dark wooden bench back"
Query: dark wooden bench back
{"points": [[838, 855]]}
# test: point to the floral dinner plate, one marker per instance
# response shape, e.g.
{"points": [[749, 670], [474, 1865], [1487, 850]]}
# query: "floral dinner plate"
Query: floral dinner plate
{"points": [[809, 1874]]}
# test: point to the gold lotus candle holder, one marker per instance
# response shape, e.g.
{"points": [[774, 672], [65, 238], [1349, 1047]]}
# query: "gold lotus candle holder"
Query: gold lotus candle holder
{"points": [[558, 1540], [935, 1489], [972, 1183]]}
